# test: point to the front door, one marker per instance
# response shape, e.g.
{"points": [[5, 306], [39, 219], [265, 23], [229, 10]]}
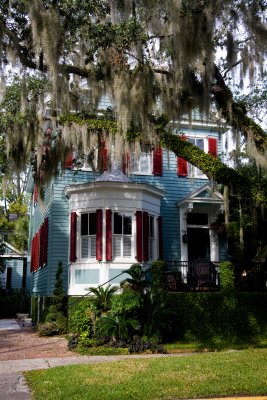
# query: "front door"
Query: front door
{"points": [[198, 241]]}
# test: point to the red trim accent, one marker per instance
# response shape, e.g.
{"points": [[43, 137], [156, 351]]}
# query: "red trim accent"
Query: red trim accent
{"points": [[182, 167], [157, 161], [160, 238], [99, 225], [108, 235], [212, 146], [139, 236], [69, 160], [145, 236], [73, 234]]}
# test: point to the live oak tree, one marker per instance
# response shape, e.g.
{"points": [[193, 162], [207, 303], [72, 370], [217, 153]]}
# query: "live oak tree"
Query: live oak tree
{"points": [[156, 61]]}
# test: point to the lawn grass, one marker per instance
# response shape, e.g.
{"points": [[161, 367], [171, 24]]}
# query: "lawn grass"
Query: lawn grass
{"points": [[229, 373]]}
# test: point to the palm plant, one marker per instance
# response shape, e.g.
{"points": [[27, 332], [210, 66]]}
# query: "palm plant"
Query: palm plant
{"points": [[101, 300], [137, 280], [158, 316], [118, 327]]}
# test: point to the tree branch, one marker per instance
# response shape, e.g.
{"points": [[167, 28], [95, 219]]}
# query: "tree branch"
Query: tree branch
{"points": [[214, 168]]}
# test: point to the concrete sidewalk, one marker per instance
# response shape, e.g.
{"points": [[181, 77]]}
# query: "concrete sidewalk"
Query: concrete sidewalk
{"points": [[9, 325]]}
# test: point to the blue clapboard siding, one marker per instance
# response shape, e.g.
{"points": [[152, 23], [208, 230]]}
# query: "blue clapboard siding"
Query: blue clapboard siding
{"points": [[17, 273]]}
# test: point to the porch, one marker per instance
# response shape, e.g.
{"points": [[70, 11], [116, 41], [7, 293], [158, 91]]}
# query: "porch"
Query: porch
{"points": [[204, 275], [198, 275]]}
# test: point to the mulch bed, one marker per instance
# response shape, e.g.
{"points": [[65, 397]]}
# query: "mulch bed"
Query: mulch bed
{"points": [[25, 344]]}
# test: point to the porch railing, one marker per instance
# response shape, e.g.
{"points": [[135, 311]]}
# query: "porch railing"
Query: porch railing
{"points": [[199, 275]]}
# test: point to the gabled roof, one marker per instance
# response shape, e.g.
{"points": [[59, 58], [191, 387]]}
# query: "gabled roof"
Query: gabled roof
{"points": [[11, 251], [205, 194]]}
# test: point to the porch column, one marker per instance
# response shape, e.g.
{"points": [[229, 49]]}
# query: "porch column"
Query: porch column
{"points": [[214, 246], [183, 231]]}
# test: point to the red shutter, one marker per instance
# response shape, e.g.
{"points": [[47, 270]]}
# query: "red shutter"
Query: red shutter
{"points": [[160, 238], [139, 236], [145, 236], [108, 235], [69, 160], [41, 246], [126, 162], [157, 161], [103, 157], [99, 225], [212, 146], [182, 167], [73, 234], [45, 244]]}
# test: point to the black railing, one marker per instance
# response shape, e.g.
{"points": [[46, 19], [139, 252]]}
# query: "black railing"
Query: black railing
{"points": [[199, 275]]}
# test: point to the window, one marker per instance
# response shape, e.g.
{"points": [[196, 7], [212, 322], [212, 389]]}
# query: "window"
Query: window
{"points": [[88, 235], [142, 163], [122, 235], [85, 162], [192, 170], [151, 238]]}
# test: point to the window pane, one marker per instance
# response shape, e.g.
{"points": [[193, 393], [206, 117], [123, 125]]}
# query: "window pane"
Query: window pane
{"points": [[145, 160], [117, 227], [84, 224], [93, 247], [117, 246], [127, 242], [200, 143], [84, 248], [151, 227], [151, 249], [92, 223], [127, 225]]}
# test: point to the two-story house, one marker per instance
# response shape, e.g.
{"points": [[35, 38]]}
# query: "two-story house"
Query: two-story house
{"points": [[100, 223]]}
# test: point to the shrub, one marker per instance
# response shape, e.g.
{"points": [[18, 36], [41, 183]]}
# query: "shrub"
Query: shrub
{"points": [[78, 319], [56, 321]]}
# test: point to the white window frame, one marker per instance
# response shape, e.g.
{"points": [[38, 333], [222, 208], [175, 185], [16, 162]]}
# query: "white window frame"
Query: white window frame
{"points": [[121, 237], [194, 172], [90, 239], [139, 160], [152, 238]]}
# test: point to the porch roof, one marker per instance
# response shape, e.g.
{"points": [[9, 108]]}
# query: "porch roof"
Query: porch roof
{"points": [[204, 195]]}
